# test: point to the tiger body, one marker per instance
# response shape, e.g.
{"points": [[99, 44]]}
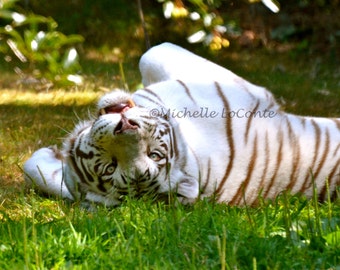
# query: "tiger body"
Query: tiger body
{"points": [[243, 145], [228, 140]]}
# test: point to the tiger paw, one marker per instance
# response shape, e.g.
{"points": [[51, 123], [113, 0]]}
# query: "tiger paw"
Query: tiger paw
{"points": [[44, 171]]}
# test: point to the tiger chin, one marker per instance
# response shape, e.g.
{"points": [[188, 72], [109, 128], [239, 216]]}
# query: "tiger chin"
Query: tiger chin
{"points": [[224, 139]]}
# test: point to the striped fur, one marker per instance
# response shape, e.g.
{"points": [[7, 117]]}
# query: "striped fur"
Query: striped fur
{"points": [[242, 156], [228, 140]]}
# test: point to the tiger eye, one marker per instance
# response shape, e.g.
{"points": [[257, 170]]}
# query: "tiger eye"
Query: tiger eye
{"points": [[155, 156], [110, 169]]}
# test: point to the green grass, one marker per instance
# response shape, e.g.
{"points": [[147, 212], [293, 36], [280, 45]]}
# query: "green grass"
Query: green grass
{"points": [[291, 233], [46, 233]]}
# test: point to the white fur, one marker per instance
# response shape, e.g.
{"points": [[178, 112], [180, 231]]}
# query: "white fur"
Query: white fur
{"points": [[206, 135], [45, 171], [171, 62], [213, 131], [116, 97]]}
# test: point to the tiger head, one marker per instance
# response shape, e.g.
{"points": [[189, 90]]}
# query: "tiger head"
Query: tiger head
{"points": [[127, 151]]}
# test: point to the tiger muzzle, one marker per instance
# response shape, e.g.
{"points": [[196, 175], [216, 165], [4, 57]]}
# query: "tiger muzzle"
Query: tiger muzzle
{"points": [[125, 125]]}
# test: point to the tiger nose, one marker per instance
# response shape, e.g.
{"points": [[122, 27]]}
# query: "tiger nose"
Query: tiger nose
{"points": [[125, 125]]}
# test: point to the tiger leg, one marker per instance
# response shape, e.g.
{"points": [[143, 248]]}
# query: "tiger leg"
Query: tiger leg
{"points": [[44, 172]]}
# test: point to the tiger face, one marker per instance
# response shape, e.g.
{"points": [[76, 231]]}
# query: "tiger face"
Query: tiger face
{"points": [[125, 151]]}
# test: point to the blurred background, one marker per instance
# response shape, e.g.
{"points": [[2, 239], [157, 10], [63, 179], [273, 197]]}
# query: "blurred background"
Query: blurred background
{"points": [[310, 25], [48, 44]]}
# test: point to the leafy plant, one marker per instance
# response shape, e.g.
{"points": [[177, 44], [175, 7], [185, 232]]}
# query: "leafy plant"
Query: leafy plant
{"points": [[213, 27], [44, 52]]}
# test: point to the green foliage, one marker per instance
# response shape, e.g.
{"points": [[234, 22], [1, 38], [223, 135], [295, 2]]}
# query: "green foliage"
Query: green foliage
{"points": [[212, 26], [42, 50], [99, 22]]}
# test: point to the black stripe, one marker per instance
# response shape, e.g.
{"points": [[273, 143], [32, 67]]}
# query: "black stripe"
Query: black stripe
{"points": [[208, 176], [159, 103], [229, 138], [251, 167], [307, 184], [295, 144], [324, 155], [265, 169], [187, 91], [249, 121], [277, 166]]}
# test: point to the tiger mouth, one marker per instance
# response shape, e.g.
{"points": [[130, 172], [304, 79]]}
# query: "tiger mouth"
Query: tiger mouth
{"points": [[117, 108], [124, 125]]}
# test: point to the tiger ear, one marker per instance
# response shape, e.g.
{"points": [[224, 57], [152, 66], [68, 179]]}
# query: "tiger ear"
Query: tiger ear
{"points": [[188, 189]]}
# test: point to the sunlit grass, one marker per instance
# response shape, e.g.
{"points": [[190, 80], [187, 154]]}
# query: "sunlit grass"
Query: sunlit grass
{"points": [[52, 98], [30, 120]]}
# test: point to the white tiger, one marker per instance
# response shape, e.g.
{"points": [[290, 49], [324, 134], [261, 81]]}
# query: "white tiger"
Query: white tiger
{"points": [[193, 138]]}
